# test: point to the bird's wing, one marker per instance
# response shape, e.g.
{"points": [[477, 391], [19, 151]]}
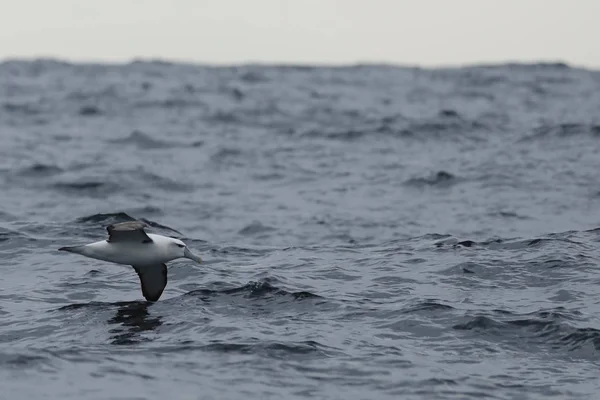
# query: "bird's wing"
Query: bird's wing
{"points": [[153, 279], [131, 231]]}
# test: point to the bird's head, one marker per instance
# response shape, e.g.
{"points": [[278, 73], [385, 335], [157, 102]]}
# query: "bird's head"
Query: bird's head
{"points": [[178, 249]]}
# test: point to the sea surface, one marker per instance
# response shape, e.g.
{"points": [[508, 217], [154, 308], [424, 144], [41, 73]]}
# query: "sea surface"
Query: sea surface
{"points": [[368, 232]]}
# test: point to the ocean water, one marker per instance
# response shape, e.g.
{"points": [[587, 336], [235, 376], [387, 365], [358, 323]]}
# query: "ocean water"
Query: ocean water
{"points": [[368, 232]]}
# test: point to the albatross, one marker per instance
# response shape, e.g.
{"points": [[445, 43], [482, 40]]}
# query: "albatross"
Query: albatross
{"points": [[129, 244]]}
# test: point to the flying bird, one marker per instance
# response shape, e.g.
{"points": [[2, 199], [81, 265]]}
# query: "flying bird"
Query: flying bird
{"points": [[129, 244]]}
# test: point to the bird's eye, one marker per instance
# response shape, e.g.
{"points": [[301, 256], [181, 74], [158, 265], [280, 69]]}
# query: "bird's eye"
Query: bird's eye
{"points": [[179, 245]]}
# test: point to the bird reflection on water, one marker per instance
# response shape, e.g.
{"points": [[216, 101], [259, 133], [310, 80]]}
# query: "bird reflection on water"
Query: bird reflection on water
{"points": [[133, 318]]}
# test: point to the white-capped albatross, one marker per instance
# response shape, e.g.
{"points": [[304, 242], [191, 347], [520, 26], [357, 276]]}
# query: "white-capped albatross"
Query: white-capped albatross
{"points": [[147, 253]]}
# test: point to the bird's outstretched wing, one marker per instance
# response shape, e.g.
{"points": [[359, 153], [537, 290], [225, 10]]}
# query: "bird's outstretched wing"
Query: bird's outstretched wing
{"points": [[153, 279], [131, 231]]}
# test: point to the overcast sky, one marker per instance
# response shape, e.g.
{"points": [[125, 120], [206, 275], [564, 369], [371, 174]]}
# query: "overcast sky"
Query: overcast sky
{"points": [[423, 32]]}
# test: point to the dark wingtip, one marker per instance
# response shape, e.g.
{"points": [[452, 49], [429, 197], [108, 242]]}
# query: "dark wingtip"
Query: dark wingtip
{"points": [[149, 298], [152, 300]]}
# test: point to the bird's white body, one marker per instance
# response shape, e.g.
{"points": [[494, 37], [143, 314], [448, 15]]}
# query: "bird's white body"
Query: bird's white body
{"points": [[134, 253]]}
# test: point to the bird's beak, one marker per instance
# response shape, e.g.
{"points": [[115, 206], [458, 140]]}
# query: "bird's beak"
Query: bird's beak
{"points": [[188, 254]]}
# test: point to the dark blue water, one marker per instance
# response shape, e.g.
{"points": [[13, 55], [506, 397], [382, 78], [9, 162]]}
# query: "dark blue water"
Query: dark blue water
{"points": [[368, 232]]}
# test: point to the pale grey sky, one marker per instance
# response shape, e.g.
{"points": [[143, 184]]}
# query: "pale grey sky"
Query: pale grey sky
{"points": [[423, 32]]}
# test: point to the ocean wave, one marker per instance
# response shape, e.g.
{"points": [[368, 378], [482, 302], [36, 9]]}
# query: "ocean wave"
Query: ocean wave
{"points": [[553, 328], [260, 289]]}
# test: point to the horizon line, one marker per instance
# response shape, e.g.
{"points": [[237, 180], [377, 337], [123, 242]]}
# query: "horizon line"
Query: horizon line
{"points": [[297, 64]]}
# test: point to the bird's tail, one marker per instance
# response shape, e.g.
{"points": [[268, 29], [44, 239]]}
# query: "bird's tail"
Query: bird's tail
{"points": [[72, 249]]}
